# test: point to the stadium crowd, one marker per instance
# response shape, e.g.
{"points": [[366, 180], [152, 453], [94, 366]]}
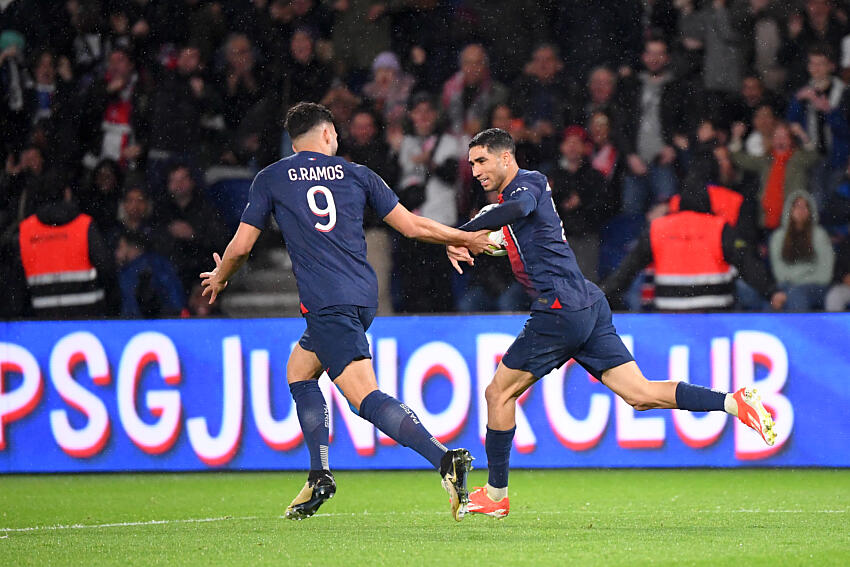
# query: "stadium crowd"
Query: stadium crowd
{"points": [[138, 124]]}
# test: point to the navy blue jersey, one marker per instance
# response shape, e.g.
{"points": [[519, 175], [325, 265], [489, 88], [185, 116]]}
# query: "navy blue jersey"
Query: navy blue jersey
{"points": [[318, 202], [540, 257]]}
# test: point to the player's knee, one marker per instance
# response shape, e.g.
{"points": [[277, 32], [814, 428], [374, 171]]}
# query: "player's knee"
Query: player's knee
{"points": [[495, 395]]}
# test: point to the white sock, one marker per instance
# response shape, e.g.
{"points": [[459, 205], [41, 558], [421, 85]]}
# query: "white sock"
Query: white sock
{"points": [[730, 405], [496, 494]]}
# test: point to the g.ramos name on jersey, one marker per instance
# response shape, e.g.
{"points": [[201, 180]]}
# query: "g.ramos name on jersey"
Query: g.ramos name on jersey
{"points": [[324, 173]]}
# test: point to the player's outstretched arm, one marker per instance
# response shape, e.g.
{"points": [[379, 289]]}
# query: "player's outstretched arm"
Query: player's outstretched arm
{"points": [[235, 255], [427, 230]]}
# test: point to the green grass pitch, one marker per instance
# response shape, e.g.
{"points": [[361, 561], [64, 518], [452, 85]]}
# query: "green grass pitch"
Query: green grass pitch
{"points": [[558, 517]]}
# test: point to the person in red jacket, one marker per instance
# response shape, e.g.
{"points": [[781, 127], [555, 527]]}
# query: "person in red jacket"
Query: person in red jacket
{"points": [[58, 264], [697, 256]]}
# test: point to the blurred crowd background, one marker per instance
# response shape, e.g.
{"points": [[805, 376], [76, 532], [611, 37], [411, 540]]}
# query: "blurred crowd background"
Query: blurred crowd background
{"points": [[152, 116]]}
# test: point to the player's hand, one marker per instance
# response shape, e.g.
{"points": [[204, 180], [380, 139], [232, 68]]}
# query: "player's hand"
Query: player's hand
{"points": [[459, 254], [210, 280], [479, 241]]}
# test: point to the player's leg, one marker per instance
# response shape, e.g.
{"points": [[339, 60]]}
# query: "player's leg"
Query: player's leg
{"points": [[302, 372], [340, 337], [357, 382], [607, 359], [501, 396]]}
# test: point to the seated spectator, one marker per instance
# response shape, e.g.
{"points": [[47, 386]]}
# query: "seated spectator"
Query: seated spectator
{"points": [[389, 89], [758, 139], [580, 197], [598, 97], [149, 284], [783, 170], [838, 296], [135, 214], [801, 254], [470, 94], [61, 268], [189, 228]]}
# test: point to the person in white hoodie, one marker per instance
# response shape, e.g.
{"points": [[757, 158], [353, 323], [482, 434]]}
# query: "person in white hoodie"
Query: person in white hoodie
{"points": [[801, 254]]}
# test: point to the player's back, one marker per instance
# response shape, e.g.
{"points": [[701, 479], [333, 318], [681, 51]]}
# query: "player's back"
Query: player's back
{"points": [[318, 202], [541, 258]]}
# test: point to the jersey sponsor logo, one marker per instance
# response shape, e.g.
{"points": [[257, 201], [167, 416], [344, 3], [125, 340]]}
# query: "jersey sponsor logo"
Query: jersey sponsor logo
{"points": [[323, 173]]}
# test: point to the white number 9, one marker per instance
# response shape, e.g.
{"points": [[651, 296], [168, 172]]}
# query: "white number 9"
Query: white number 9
{"points": [[329, 211]]}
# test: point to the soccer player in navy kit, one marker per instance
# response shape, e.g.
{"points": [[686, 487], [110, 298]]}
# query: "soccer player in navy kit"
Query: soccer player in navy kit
{"points": [[318, 201], [570, 318]]}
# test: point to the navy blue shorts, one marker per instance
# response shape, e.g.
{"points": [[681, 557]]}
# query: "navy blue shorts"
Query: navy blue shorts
{"points": [[337, 335], [551, 338]]}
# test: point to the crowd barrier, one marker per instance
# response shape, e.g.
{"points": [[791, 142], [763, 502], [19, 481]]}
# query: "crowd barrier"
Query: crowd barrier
{"points": [[180, 395]]}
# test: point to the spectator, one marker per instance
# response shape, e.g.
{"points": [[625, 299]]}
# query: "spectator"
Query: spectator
{"points": [[527, 152], [758, 140], [752, 96], [113, 115], [801, 254], [817, 24], [389, 89], [135, 214], [470, 94], [821, 109], [183, 103], [689, 248], [605, 155], [722, 45], [148, 282], [190, 229], [15, 113], [580, 197], [305, 77], [541, 97], [599, 97], [782, 171], [653, 108], [838, 296], [60, 267], [428, 183], [764, 30], [25, 177], [101, 197], [240, 84], [361, 31]]}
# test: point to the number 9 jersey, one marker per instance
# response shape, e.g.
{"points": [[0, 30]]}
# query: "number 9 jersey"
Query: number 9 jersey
{"points": [[318, 202]]}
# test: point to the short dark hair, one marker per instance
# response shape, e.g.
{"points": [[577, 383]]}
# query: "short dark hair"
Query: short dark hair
{"points": [[494, 140], [304, 116], [823, 50]]}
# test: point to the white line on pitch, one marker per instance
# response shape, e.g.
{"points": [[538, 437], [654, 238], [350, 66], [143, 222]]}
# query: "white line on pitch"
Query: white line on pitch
{"points": [[127, 524], [367, 513]]}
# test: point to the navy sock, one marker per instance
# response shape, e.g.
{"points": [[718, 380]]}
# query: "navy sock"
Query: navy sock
{"points": [[401, 424], [498, 447], [699, 398], [313, 417]]}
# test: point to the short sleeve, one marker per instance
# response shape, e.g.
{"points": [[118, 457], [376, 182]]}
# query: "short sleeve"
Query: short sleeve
{"points": [[259, 205], [380, 197]]}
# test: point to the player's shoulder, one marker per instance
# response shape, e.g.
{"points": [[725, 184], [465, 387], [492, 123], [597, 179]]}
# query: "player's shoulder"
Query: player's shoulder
{"points": [[532, 178]]}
